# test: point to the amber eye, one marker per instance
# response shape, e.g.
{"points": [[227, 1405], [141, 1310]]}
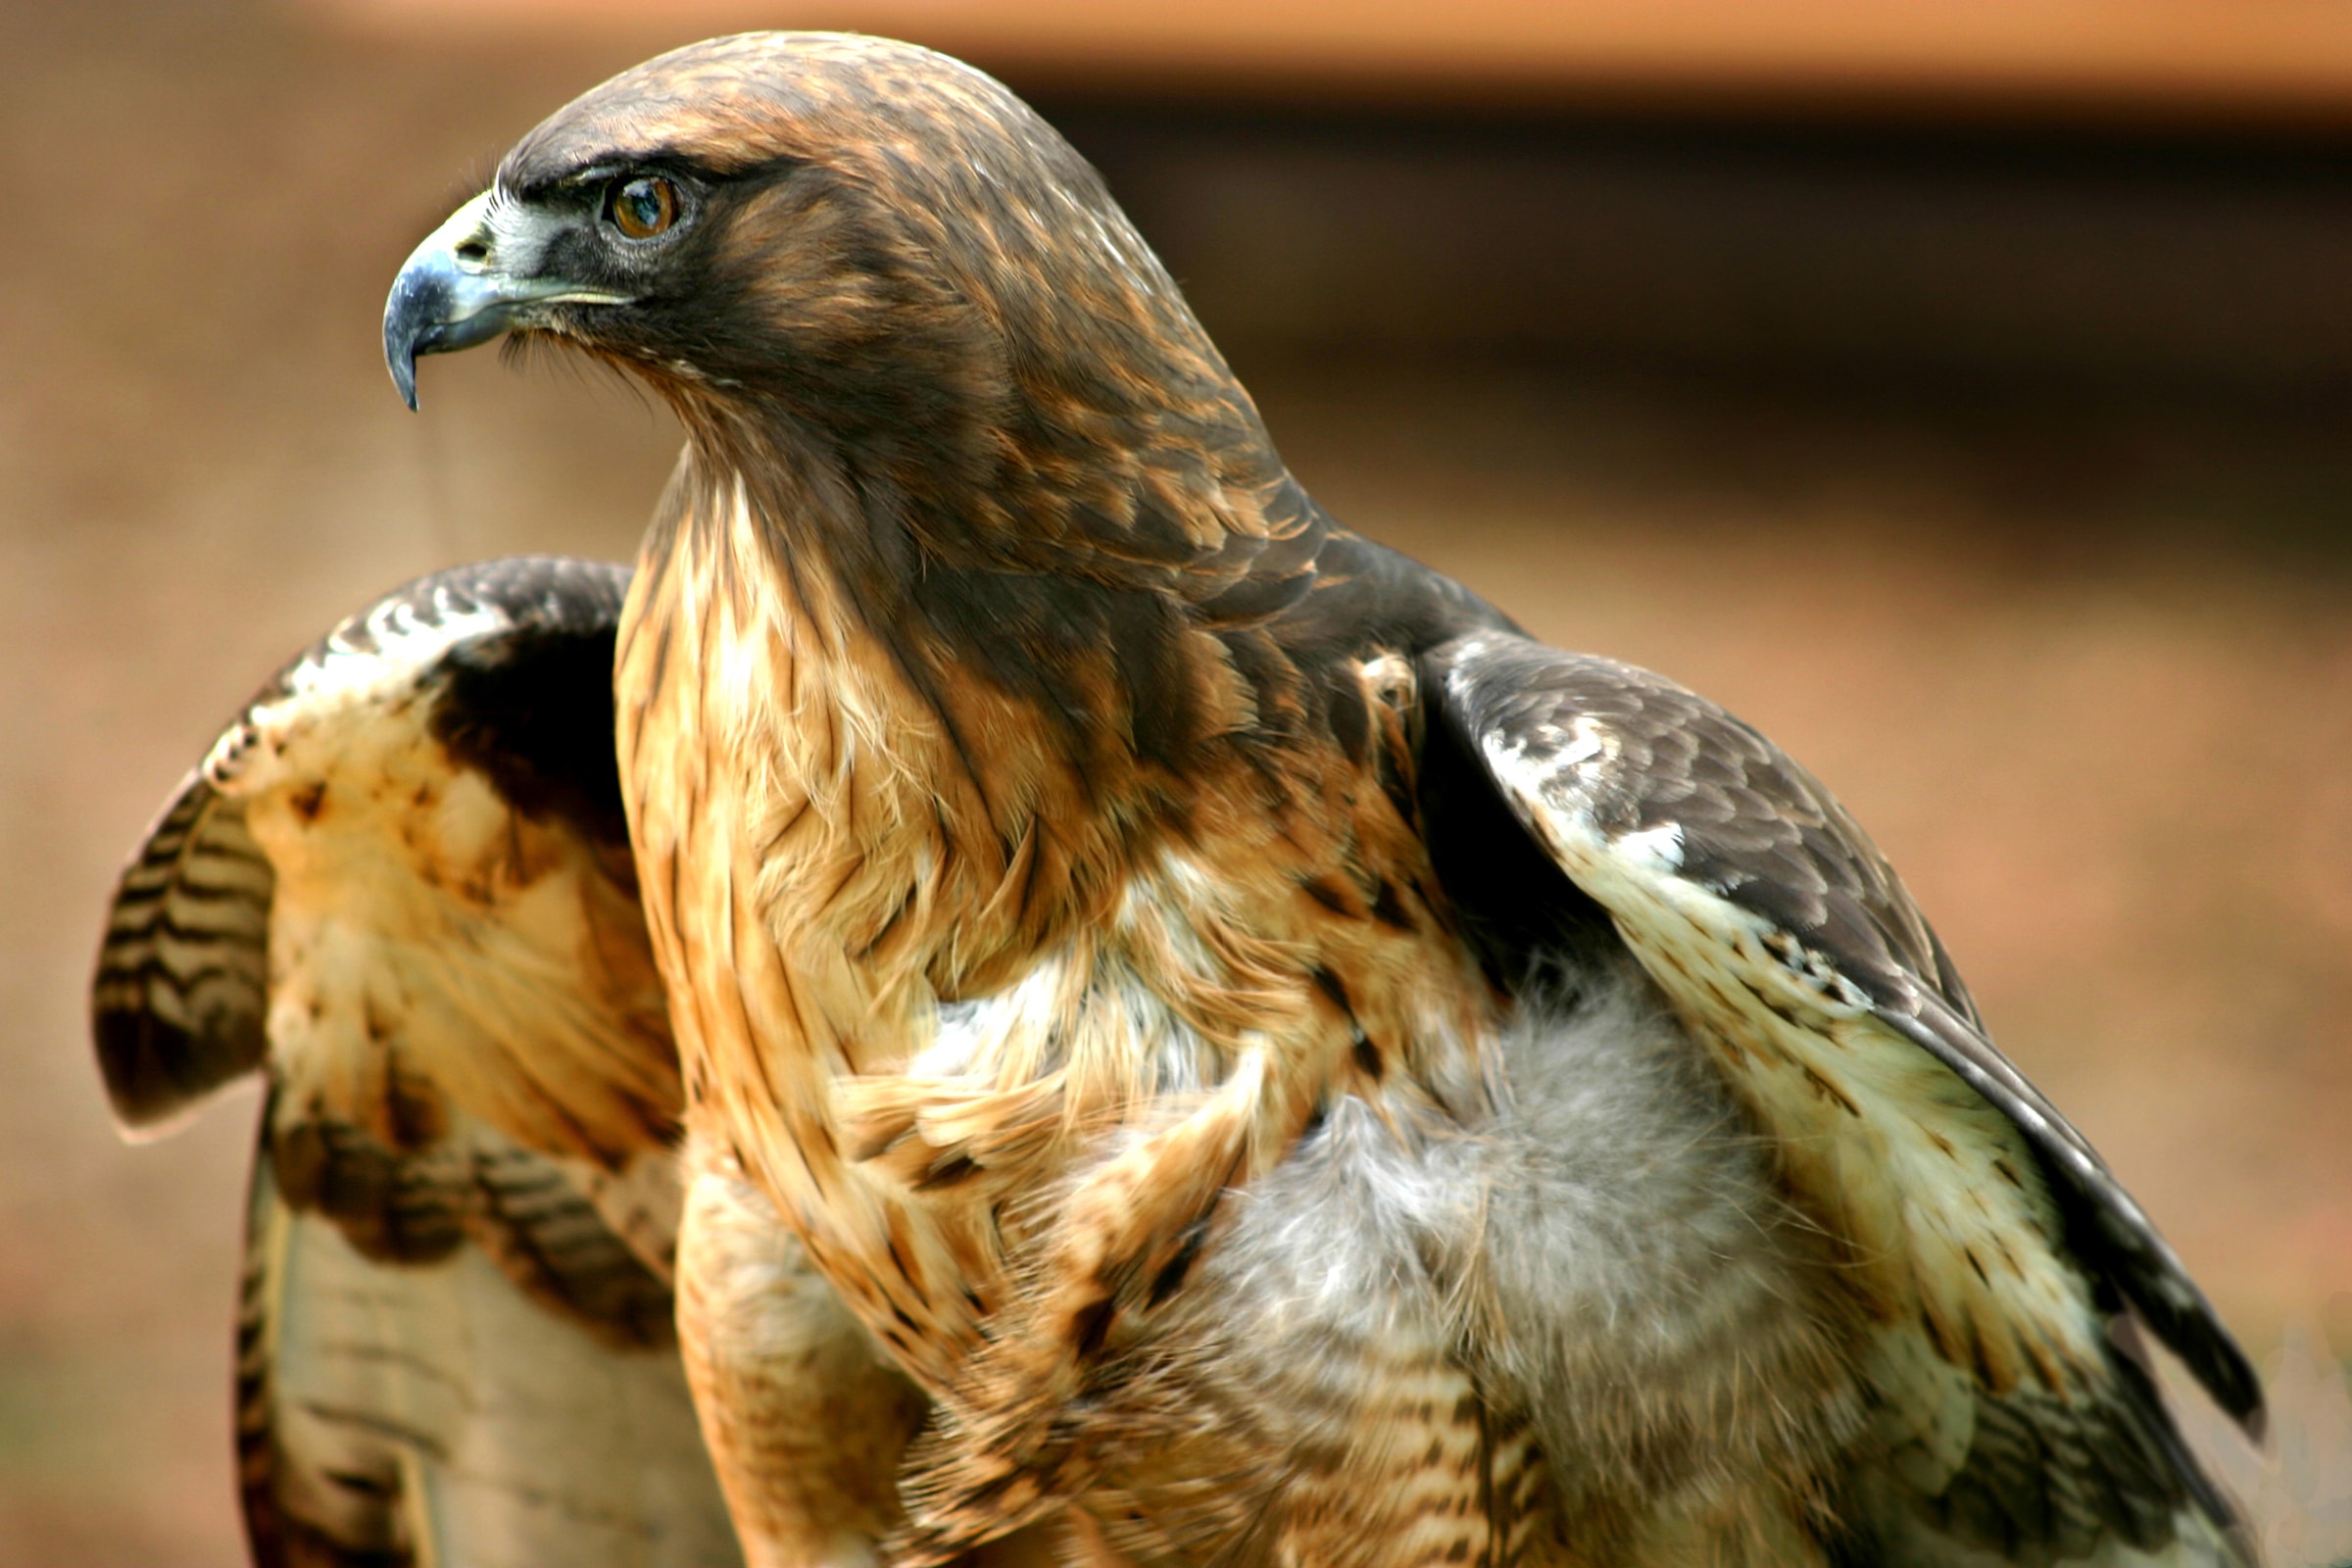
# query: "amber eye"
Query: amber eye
{"points": [[642, 207]]}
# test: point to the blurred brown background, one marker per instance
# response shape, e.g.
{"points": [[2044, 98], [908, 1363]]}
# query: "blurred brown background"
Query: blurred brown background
{"points": [[1958, 392]]}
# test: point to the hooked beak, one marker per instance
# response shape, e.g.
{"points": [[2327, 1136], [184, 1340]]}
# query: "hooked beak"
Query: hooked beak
{"points": [[464, 286]]}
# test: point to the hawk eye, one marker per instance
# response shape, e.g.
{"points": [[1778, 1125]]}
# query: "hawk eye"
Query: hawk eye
{"points": [[643, 206]]}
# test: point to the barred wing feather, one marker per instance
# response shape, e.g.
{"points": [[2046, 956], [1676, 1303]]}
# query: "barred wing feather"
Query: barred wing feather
{"points": [[400, 887]]}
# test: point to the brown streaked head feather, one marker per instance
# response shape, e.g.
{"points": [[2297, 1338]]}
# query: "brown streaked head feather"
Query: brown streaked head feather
{"points": [[889, 248]]}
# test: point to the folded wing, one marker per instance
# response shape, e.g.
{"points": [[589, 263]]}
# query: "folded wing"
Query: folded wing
{"points": [[2002, 1263]]}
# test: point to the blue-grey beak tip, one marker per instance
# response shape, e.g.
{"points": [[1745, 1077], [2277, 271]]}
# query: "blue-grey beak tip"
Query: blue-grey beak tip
{"points": [[410, 323], [404, 375]]}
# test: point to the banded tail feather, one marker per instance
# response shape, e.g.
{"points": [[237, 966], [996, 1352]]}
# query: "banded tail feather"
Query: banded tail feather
{"points": [[514, 1399]]}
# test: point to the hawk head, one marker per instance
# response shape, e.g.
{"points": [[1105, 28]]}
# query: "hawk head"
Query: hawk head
{"points": [[864, 239]]}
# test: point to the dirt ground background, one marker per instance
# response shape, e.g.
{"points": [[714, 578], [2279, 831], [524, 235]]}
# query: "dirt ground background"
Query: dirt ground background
{"points": [[2076, 648]]}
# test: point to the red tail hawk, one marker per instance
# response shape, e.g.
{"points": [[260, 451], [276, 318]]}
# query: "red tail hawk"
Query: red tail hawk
{"points": [[1295, 1071]]}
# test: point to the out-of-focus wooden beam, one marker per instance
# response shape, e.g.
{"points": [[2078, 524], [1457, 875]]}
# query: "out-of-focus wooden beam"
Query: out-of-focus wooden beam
{"points": [[2255, 60]]}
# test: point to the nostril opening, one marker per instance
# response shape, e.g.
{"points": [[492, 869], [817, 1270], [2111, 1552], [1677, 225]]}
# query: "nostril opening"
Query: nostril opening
{"points": [[473, 250]]}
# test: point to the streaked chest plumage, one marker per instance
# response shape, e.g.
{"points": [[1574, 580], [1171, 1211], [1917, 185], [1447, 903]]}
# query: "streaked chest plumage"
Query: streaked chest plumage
{"points": [[922, 963]]}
